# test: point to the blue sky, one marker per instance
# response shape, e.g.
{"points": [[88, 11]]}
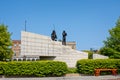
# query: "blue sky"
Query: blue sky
{"points": [[86, 21]]}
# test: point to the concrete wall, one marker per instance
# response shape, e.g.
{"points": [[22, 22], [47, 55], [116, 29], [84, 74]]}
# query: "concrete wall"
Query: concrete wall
{"points": [[98, 56]]}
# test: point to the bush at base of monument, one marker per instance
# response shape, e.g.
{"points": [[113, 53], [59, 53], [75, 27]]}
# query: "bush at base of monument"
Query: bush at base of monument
{"points": [[37, 68], [87, 66]]}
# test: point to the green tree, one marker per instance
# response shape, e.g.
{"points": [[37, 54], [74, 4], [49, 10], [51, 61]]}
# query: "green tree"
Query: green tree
{"points": [[112, 44], [5, 43]]}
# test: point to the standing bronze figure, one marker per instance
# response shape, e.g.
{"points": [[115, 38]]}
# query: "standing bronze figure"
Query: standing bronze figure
{"points": [[54, 36], [64, 34]]}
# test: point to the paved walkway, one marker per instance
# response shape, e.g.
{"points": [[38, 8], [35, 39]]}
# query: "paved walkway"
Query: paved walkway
{"points": [[108, 77]]}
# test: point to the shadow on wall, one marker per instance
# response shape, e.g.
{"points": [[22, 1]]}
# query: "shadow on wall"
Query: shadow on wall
{"points": [[47, 57]]}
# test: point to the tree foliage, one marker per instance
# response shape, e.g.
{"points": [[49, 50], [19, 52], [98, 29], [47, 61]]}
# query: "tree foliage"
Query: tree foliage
{"points": [[112, 44], [5, 43]]}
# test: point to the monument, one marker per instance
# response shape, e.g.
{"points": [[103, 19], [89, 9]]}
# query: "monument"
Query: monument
{"points": [[35, 46]]}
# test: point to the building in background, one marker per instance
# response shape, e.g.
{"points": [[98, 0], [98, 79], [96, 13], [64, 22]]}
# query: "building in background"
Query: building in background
{"points": [[16, 47]]}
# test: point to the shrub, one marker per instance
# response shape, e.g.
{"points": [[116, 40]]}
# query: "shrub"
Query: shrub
{"points": [[24, 59], [1, 68], [72, 70], [28, 60], [36, 68], [14, 59], [19, 60], [38, 60], [87, 66], [90, 55], [33, 59], [116, 55]]}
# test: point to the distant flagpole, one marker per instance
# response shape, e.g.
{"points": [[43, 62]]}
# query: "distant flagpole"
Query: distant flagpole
{"points": [[25, 24]]}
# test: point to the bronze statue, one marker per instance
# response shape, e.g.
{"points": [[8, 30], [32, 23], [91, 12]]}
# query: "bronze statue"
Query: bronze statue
{"points": [[64, 34], [54, 36]]}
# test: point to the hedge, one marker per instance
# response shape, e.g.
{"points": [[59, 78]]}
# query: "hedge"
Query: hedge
{"points": [[36, 68], [87, 66], [90, 55], [72, 70]]}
